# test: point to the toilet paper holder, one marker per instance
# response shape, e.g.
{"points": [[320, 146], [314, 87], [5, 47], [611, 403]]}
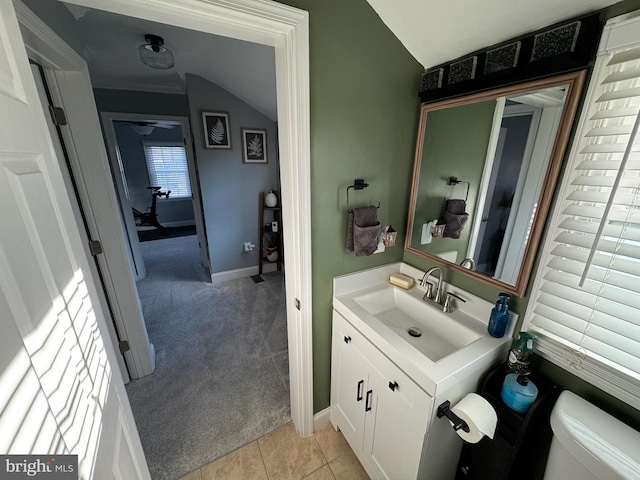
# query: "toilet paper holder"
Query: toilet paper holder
{"points": [[444, 410]]}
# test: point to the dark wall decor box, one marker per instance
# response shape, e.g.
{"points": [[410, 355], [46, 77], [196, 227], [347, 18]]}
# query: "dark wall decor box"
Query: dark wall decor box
{"points": [[560, 48]]}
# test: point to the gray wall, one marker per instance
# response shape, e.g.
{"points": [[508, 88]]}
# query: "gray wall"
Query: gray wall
{"points": [[230, 188], [131, 149], [129, 101]]}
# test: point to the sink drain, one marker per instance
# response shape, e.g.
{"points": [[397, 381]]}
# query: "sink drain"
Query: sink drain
{"points": [[414, 331]]}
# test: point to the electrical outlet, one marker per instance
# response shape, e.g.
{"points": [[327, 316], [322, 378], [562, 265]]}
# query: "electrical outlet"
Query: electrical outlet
{"points": [[247, 247]]}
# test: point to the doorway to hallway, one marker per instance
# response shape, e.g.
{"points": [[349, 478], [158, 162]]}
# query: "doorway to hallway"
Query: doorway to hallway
{"points": [[222, 376]]}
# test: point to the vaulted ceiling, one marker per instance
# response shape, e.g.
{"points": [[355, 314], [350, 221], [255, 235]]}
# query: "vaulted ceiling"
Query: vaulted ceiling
{"points": [[433, 31], [436, 31]]}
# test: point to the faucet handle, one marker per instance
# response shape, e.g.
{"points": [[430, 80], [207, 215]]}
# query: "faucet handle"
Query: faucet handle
{"points": [[448, 307], [429, 291]]}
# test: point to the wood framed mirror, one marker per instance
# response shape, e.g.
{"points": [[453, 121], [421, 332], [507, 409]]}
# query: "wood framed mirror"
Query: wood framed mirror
{"points": [[496, 156]]}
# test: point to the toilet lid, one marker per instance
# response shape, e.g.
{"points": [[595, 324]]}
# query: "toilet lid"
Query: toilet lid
{"points": [[604, 445]]}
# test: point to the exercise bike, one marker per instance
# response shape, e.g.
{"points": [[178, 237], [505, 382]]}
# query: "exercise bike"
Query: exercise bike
{"points": [[150, 217]]}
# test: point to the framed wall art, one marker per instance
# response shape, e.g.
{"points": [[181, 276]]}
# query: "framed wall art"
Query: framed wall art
{"points": [[216, 130], [254, 145]]}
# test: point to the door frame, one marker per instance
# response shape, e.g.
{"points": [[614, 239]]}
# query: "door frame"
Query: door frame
{"points": [[122, 189], [71, 89], [59, 369], [45, 83], [265, 22]]}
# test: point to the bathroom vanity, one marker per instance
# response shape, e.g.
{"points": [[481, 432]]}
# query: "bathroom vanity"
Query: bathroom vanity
{"points": [[386, 384]]}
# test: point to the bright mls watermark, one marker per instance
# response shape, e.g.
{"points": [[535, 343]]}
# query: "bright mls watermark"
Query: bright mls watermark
{"points": [[50, 467]]}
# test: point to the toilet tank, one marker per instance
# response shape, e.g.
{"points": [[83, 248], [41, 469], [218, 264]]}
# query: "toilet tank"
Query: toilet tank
{"points": [[590, 444]]}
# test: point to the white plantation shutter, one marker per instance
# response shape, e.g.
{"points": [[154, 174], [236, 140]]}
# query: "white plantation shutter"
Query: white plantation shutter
{"points": [[585, 302], [167, 165]]}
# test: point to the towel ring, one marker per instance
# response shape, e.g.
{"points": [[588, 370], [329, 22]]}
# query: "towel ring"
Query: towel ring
{"points": [[454, 181], [358, 184]]}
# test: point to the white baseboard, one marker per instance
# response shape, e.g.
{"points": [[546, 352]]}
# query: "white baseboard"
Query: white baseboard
{"points": [[180, 223], [220, 277], [321, 418]]}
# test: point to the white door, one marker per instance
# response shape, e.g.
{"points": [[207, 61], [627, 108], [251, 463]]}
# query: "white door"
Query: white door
{"points": [[60, 388], [70, 88], [77, 209]]}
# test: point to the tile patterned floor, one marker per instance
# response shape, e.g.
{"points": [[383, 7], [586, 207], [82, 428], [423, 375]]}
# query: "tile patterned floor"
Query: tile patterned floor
{"points": [[284, 455]]}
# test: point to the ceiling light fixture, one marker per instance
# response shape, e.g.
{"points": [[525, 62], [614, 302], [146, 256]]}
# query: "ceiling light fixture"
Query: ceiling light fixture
{"points": [[142, 129], [154, 54]]}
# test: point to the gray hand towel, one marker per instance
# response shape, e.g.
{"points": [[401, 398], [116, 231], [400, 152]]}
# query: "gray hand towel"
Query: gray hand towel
{"points": [[454, 217], [363, 230]]}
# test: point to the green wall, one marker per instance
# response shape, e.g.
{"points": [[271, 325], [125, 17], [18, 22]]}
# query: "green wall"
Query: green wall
{"points": [[364, 118], [455, 145]]}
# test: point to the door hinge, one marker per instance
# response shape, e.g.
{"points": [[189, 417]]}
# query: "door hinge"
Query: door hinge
{"points": [[57, 115], [297, 304], [95, 247], [124, 346]]}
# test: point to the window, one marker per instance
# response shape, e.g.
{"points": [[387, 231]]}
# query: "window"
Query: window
{"points": [[167, 165], [585, 302]]}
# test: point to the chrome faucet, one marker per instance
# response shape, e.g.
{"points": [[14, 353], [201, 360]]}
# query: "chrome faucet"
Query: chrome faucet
{"points": [[425, 281], [470, 261]]}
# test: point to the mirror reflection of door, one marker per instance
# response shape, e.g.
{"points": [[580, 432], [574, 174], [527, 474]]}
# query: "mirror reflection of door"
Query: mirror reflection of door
{"points": [[482, 253], [524, 140], [511, 156]]}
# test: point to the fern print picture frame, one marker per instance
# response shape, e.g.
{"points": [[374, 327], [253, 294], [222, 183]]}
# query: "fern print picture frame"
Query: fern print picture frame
{"points": [[216, 130], [254, 145]]}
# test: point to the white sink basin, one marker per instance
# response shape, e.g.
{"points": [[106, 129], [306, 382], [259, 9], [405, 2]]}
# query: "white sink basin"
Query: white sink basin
{"points": [[452, 346], [440, 334]]}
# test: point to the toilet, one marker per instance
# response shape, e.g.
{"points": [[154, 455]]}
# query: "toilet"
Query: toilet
{"points": [[589, 444]]}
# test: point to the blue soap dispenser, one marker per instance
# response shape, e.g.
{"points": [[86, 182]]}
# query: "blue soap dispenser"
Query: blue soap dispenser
{"points": [[518, 392], [499, 316]]}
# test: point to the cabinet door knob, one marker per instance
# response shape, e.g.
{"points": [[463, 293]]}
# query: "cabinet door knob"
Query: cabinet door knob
{"points": [[347, 339], [360, 389], [367, 403], [393, 386]]}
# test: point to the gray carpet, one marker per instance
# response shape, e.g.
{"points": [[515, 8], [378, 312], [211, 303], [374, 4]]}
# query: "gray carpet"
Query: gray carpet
{"points": [[222, 374]]}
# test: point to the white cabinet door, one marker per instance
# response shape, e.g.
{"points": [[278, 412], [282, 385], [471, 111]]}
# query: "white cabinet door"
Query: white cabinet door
{"points": [[351, 390], [392, 441], [380, 410], [60, 388]]}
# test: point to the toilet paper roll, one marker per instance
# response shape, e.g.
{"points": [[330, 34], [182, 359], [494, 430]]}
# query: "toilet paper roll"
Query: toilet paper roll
{"points": [[479, 415]]}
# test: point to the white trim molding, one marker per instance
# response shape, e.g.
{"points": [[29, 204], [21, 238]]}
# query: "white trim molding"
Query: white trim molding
{"points": [[321, 418], [287, 30], [71, 88], [219, 277]]}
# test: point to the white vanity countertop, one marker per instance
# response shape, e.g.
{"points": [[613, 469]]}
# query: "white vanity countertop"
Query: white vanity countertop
{"points": [[433, 377]]}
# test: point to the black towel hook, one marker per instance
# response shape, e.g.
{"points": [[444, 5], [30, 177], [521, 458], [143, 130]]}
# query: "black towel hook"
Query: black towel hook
{"points": [[358, 184]]}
